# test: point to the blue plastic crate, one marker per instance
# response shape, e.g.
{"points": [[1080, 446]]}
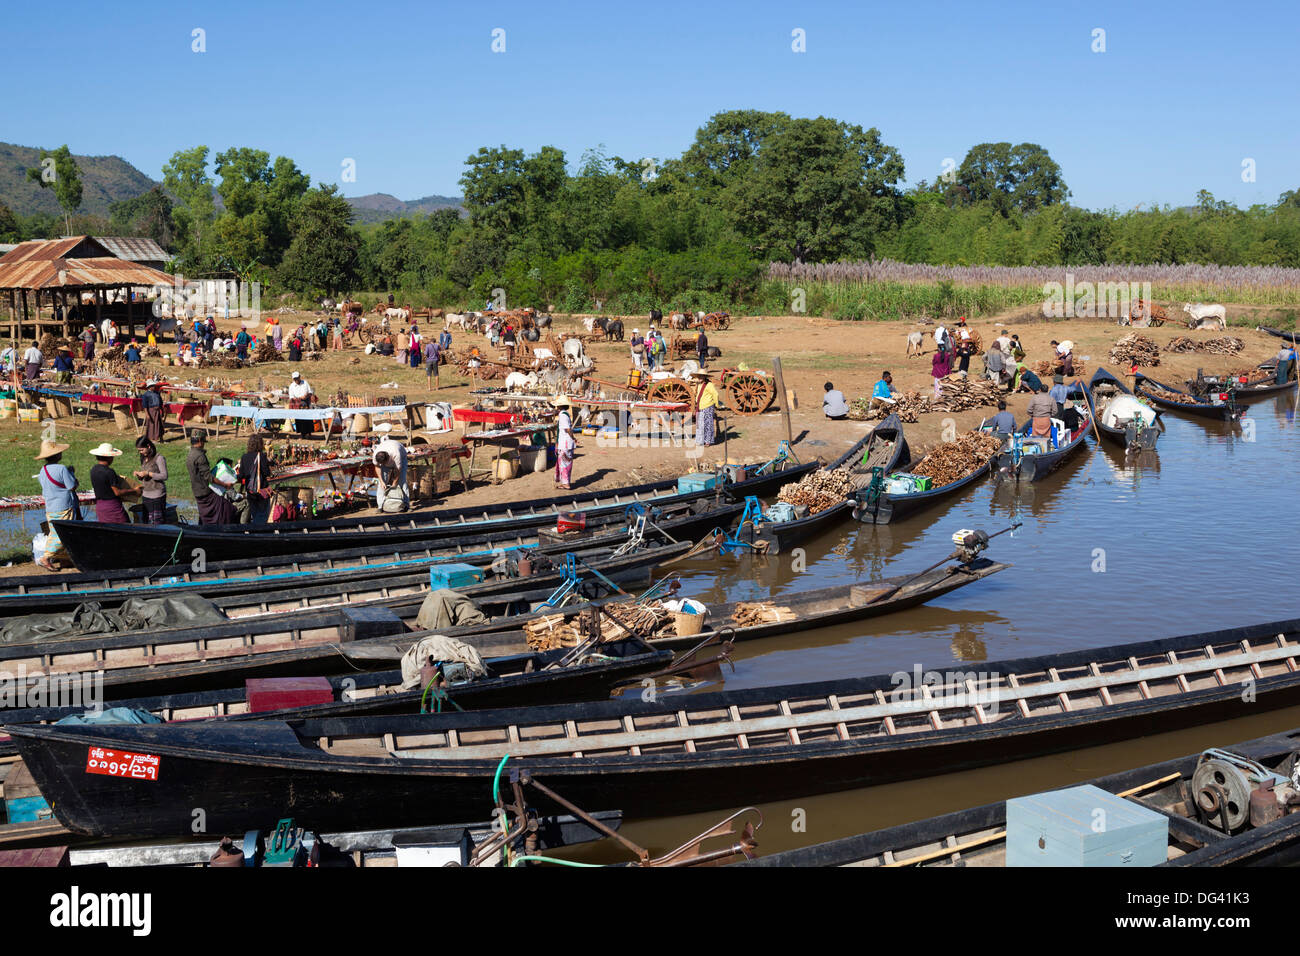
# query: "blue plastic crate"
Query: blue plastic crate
{"points": [[698, 481], [454, 576]]}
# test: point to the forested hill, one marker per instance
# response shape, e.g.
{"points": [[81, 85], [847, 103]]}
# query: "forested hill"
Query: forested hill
{"points": [[104, 181]]}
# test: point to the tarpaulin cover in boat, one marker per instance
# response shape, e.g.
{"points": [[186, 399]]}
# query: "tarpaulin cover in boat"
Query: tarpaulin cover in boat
{"points": [[445, 608], [134, 614], [113, 715]]}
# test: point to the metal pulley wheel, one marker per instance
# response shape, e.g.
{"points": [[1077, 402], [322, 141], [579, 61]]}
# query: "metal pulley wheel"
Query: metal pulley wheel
{"points": [[1217, 782]]}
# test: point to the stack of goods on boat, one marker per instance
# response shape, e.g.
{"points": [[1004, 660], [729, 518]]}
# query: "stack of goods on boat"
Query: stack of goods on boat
{"points": [[1049, 367], [954, 460], [820, 490]]}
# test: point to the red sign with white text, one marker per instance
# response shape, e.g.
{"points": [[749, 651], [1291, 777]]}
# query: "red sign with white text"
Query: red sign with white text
{"points": [[122, 763]]}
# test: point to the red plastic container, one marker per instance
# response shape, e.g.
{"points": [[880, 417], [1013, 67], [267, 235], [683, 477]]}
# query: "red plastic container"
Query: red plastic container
{"points": [[276, 693]]}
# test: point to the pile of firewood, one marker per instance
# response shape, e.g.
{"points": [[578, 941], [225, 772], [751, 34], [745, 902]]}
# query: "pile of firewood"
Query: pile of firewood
{"points": [[1223, 345], [954, 460], [1253, 376], [1049, 367], [1180, 397], [819, 490], [908, 408], [266, 352], [748, 614], [219, 360], [1135, 349], [957, 394], [552, 631], [486, 372]]}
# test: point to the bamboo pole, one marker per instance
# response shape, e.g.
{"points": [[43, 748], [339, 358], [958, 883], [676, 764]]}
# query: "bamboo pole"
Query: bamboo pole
{"points": [[785, 399]]}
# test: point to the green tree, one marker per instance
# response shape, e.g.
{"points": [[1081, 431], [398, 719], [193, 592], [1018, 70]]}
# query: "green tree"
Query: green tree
{"points": [[325, 252], [186, 179], [10, 229], [58, 170], [149, 214], [818, 190], [1022, 177]]}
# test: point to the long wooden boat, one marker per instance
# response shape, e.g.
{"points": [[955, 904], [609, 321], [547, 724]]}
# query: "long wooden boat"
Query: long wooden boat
{"points": [[1010, 463], [1242, 390], [1221, 409], [978, 836], [885, 507], [517, 680], [46, 593], [94, 546], [883, 447], [669, 755], [1292, 337], [1131, 431], [116, 669]]}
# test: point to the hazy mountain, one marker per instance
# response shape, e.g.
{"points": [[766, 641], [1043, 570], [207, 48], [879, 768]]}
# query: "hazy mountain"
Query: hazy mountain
{"points": [[377, 207]]}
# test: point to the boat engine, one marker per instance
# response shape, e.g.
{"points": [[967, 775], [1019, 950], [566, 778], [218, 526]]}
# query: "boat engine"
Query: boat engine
{"points": [[970, 544], [1231, 791]]}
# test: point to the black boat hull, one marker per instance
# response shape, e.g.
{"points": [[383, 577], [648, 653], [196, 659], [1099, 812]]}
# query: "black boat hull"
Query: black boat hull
{"points": [[245, 771], [1206, 411], [888, 508], [1133, 436]]}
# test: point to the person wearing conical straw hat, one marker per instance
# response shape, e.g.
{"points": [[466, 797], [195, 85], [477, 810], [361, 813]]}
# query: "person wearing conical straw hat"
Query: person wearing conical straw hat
{"points": [[565, 442], [706, 403], [109, 486], [59, 487]]}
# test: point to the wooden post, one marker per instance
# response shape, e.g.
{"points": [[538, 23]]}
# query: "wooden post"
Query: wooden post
{"points": [[24, 319], [785, 399], [99, 316], [130, 319]]}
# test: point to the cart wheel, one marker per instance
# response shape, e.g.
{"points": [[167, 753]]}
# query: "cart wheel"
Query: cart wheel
{"points": [[670, 390], [750, 393]]}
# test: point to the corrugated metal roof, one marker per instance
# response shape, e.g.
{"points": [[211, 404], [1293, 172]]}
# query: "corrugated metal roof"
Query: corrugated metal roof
{"points": [[71, 273], [45, 250], [133, 248]]}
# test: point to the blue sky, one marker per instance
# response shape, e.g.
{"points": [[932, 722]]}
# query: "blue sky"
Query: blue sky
{"points": [[1182, 95]]}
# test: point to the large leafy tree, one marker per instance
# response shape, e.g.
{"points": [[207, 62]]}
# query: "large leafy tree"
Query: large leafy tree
{"points": [[817, 189], [63, 176], [259, 200], [10, 229], [1022, 177], [325, 252], [186, 179]]}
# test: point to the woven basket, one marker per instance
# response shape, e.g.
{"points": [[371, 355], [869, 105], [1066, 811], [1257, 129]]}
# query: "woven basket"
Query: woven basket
{"points": [[688, 624]]}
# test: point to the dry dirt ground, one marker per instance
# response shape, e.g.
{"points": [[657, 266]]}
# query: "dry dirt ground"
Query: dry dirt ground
{"points": [[813, 351]]}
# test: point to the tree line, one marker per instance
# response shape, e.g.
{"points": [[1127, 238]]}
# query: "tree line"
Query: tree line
{"points": [[692, 231]]}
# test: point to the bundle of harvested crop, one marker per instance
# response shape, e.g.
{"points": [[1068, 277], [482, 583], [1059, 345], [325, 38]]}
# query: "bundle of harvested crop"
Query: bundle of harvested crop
{"points": [[954, 460], [1135, 349]]}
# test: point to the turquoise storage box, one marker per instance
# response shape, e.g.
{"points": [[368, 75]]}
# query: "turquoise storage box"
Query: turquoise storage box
{"points": [[454, 576], [1084, 826], [698, 481]]}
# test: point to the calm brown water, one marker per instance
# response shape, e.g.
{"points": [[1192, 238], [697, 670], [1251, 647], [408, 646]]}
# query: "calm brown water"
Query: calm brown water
{"points": [[1203, 536]]}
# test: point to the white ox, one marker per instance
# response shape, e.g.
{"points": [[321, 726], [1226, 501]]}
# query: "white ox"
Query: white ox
{"points": [[1206, 316], [401, 315], [518, 381], [575, 356]]}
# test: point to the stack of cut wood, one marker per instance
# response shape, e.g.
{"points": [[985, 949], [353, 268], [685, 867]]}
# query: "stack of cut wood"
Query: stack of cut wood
{"points": [[908, 408], [1222, 345], [266, 352], [219, 360], [748, 614], [1253, 376], [1181, 398], [552, 631], [954, 460], [1047, 368], [957, 394], [819, 490], [486, 372], [1135, 349]]}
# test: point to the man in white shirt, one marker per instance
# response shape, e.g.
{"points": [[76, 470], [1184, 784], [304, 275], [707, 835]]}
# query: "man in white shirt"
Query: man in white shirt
{"points": [[300, 397], [390, 468], [834, 404], [33, 359]]}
